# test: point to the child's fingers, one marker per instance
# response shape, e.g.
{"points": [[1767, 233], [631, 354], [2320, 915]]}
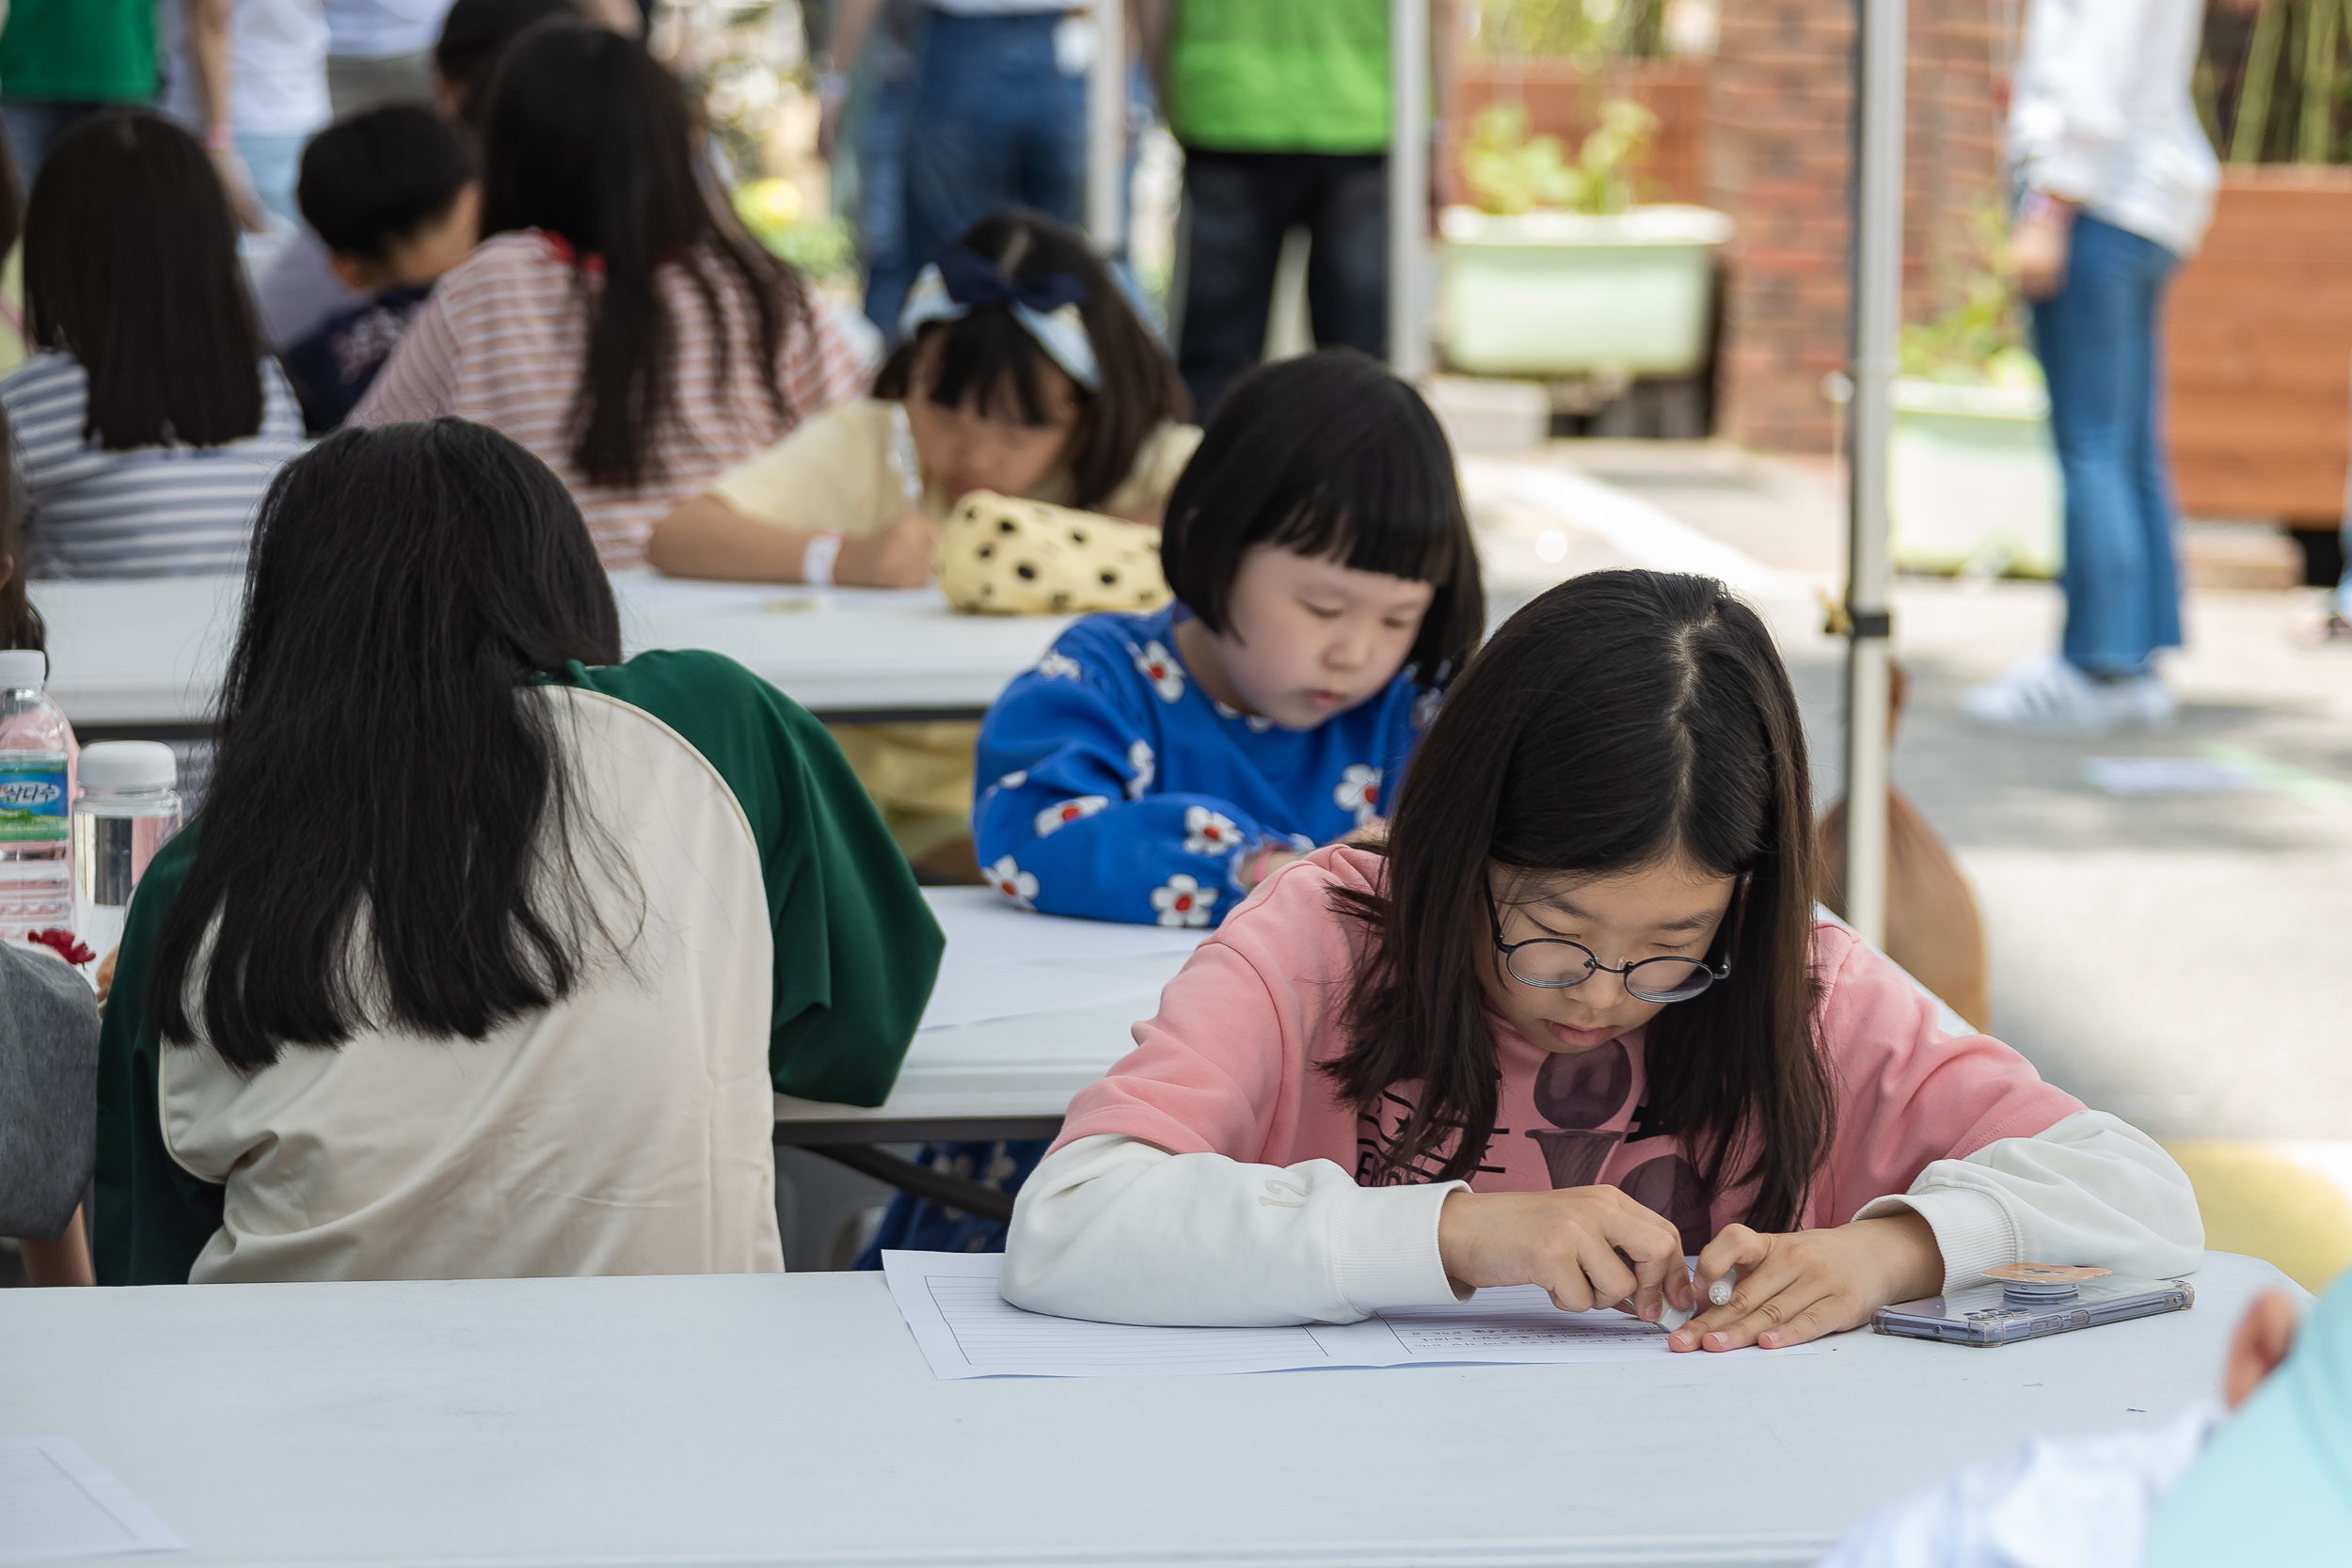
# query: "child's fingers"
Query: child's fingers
{"points": [[1774, 1316], [1735, 1246], [1759, 1283]]}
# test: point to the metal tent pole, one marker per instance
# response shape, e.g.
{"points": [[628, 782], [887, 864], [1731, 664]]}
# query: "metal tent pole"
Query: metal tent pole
{"points": [[1106, 130], [1408, 183], [1878, 262]]}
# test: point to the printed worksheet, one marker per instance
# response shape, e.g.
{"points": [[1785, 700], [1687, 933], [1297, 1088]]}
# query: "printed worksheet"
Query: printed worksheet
{"points": [[966, 1329]]}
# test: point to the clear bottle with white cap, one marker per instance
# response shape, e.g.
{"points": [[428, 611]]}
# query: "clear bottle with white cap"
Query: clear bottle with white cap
{"points": [[35, 796], [127, 808]]}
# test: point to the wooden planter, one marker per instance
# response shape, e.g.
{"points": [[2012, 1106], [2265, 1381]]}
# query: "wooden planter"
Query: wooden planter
{"points": [[2259, 344], [1565, 102]]}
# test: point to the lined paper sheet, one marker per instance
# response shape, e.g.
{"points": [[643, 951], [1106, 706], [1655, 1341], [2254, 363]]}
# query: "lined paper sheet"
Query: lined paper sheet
{"points": [[55, 1501], [966, 1329]]}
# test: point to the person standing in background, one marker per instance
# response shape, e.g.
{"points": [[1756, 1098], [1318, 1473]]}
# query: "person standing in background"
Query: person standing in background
{"points": [[62, 61], [885, 105], [1283, 109], [380, 52], [2115, 182], [249, 76], [995, 115]]}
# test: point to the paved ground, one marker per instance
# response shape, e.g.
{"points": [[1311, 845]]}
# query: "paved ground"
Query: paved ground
{"points": [[2179, 959]]}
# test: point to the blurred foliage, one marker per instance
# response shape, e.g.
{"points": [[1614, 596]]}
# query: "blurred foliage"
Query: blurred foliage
{"points": [[1980, 341], [1576, 29], [2273, 83], [820, 248], [1509, 171]]}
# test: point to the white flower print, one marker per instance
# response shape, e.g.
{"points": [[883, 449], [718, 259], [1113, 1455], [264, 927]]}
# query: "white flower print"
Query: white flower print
{"points": [[1160, 668], [1209, 832], [1014, 780], [1359, 791], [1062, 812], [1184, 902], [1425, 707], [1014, 883], [1141, 769], [1259, 724], [1057, 665]]}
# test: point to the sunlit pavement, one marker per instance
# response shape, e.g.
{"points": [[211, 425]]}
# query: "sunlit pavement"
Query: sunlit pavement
{"points": [[2183, 959]]}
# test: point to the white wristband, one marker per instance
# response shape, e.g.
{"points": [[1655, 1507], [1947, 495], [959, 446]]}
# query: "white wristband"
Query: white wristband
{"points": [[817, 559]]}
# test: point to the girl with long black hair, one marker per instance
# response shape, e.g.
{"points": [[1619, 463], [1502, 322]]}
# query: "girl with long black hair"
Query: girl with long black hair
{"points": [[1575, 1021], [615, 321], [487, 948]]}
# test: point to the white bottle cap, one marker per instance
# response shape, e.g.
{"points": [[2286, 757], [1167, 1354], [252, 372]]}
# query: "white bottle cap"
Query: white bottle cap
{"points": [[22, 668], [128, 764]]}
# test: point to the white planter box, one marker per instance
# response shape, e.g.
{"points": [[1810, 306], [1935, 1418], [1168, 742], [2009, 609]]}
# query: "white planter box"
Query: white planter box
{"points": [[1975, 481], [1569, 294]]}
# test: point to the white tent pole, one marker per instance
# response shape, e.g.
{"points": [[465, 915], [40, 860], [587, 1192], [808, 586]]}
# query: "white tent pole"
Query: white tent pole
{"points": [[1877, 283], [1408, 183], [1106, 130]]}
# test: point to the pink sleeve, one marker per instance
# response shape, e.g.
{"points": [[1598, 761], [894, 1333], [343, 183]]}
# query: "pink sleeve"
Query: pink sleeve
{"points": [[419, 382], [1222, 1069], [1908, 1093]]}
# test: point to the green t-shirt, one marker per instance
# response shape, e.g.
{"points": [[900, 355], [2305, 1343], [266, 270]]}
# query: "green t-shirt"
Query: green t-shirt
{"points": [[855, 946], [1279, 76], [79, 51]]}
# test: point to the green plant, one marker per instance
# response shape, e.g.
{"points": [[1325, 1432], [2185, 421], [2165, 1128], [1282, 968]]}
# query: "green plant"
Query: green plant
{"points": [[1510, 171], [1574, 29], [818, 248], [2279, 83], [1980, 339]]}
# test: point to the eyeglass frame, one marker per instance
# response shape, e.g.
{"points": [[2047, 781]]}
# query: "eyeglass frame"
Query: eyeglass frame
{"points": [[1624, 971]]}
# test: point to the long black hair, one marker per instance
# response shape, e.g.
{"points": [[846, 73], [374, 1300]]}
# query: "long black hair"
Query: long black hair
{"points": [[589, 138], [1329, 455], [1620, 718], [384, 778], [21, 624], [131, 266], [991, 357]]}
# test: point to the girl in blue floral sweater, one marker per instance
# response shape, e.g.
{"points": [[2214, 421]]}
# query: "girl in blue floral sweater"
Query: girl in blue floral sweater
{"points": [[1157, 768]]}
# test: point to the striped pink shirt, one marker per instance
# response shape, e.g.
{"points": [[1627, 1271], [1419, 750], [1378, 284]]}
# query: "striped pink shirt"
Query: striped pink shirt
{"points": [[504, 339]]}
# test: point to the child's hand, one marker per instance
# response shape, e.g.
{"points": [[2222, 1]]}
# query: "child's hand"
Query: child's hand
{"points": [[1800, 1287], [897, 556], [1589, 1247]]}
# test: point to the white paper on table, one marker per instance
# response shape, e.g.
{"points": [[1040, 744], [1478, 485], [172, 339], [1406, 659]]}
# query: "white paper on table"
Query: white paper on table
{"points": [[966, 1329], [1007, 963], [982, 925], [975, 992], [55, 1500]]}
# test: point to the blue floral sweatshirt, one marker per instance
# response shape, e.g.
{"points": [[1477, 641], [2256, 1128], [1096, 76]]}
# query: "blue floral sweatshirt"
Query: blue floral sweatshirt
{"points": [[1113, 787]]}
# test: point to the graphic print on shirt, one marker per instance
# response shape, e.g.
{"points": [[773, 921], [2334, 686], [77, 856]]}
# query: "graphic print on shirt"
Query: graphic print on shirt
{"points": [[1184, 902], [1057, 665], [1579, 1096], [1158, 666], [1376, 1132], [1209, 832], [1140, 768], [1359, 791], [1014, 883], [1053, 817]]}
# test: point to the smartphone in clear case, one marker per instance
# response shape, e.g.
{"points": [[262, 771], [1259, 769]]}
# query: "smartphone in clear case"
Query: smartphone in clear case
{"points": [[1998, 1313]]}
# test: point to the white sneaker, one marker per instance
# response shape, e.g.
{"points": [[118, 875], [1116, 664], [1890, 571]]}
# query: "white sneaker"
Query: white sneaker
{"points": [[2049, 693]]}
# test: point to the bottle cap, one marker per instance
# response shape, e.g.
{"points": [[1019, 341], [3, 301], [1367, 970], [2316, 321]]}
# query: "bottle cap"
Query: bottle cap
{"points": [[23, 669], [129, 765]]}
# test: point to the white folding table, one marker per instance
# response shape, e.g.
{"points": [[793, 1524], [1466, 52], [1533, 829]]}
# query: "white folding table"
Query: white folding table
{"points": [[790, 1419]]}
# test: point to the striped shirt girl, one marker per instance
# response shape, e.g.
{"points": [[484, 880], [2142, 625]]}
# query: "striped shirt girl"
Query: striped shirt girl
{"points": [[150, 512], [504, 341]]}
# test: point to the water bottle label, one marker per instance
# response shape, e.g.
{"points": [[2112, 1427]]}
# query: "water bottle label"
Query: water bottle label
{"points": [[32, 802]]}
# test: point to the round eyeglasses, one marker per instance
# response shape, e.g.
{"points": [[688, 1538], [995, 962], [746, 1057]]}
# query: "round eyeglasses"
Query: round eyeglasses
{"points": [[1556, 963]]}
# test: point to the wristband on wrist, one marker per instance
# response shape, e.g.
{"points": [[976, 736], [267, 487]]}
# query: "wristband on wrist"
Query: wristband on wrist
{"points": [[220, 138], [2042, 207], [817, 559]]}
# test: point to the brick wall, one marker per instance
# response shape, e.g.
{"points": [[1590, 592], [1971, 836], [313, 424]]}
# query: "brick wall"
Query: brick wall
{"points": [[1780, 102]]}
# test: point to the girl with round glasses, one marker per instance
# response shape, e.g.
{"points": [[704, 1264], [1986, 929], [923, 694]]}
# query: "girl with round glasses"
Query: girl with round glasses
{"points": [[1576, 1019]]}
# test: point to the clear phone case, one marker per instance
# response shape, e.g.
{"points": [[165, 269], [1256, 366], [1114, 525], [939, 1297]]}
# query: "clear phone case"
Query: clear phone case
{"points": [[1997, 1314]]}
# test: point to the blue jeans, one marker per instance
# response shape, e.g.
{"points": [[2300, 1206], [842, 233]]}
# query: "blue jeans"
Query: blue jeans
{"points": [[881, 199], [33, 125], [2097, 342], [995, 124], [275, 163]]}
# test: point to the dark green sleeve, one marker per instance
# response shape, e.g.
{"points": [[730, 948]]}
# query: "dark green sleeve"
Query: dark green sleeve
{"points": [[856, 946], [152, 1217]]}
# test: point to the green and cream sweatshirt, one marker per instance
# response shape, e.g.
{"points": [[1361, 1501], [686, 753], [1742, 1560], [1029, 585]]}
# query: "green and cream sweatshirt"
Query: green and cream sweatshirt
{"points": [[775, 940]]}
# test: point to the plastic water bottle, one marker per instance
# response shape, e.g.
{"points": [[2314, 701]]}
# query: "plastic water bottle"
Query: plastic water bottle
{"points": [[127, 808], [35, 794]]}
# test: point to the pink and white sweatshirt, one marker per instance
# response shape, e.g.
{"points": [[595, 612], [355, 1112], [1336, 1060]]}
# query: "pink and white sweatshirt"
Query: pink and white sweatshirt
{"points": [[1215, 1177]]}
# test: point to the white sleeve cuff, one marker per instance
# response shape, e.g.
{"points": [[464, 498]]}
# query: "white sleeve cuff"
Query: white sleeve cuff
{"points": [[1384, 1247], [1972, 1230]]}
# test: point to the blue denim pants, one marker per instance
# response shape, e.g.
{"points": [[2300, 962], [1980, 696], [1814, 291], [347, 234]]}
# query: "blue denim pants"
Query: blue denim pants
{"points": [[2097, 342], [994, 123]]}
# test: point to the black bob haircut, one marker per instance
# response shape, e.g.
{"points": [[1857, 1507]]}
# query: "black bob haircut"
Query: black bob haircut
{"points": [[131, 266], [374, 179], [1328, 455], [991, 357]]}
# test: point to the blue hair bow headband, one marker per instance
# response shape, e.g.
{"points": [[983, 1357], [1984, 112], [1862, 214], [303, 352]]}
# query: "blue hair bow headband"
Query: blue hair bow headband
{"points": [[1045, 305]]}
